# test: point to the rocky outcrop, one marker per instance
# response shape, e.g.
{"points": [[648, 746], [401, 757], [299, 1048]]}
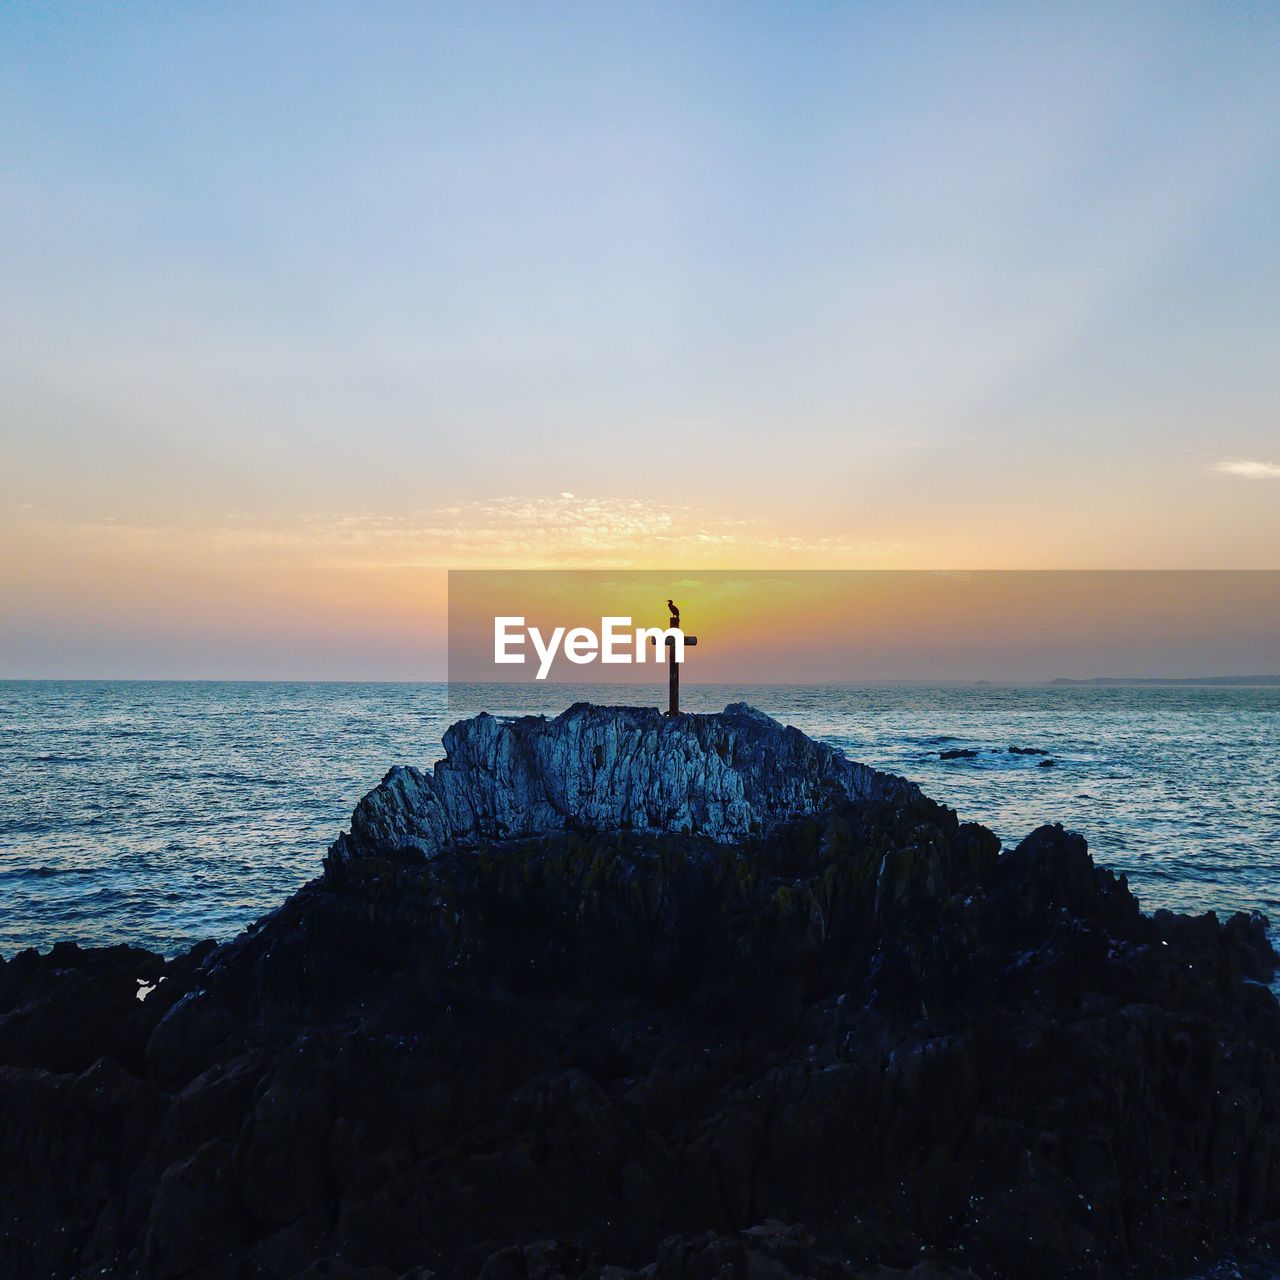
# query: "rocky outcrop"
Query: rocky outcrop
{"points": [[862, 1042], [594, 768]]}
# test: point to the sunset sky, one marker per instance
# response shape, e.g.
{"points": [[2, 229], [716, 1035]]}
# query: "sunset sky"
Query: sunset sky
{"points": [[816, 626], [306, 304]]}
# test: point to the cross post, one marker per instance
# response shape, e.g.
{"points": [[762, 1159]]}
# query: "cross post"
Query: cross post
{"points": [[673, 667]]}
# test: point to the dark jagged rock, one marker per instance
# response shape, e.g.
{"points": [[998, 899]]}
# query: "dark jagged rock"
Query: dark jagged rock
{"points": [[861, 1041], [592, 768]]}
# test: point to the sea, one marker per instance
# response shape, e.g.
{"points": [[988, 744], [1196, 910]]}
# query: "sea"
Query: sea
{"points": [[162, 813]]}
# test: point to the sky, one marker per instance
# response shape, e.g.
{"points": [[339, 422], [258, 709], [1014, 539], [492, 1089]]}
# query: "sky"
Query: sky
{"points": [[306, 304], [839, 626]]}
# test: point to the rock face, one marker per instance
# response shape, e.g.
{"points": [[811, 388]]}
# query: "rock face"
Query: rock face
{"points": [[594, 768], [860, 1042]]}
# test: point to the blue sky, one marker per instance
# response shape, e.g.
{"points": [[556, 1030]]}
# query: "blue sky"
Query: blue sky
{"points": [[296, 290]]}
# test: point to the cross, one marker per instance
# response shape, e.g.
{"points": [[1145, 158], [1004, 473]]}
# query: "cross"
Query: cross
{"points": [[673, 667]]}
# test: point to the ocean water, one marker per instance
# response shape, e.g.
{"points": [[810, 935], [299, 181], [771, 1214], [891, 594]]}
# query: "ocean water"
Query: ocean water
{"points": [[163, 813]]}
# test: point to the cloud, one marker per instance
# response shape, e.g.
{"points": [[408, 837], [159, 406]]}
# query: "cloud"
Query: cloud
{"points": [[1250, 470], [505, 532]]}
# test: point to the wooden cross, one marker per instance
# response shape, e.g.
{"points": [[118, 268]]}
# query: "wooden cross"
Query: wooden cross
{"points": [[673, 667]]}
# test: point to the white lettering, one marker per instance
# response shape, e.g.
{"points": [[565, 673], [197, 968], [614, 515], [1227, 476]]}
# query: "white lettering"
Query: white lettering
{"points": [[502, 639], [613, 641], [581, 645], [659, 637], [546, 652]]}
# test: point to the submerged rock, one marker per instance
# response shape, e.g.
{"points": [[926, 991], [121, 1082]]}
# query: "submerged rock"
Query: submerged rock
{"points": [[860, 1041]]}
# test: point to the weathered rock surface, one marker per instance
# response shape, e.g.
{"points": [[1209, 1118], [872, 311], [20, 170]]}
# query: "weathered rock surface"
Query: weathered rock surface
{"points": [[594, 768], [860, 1042]]}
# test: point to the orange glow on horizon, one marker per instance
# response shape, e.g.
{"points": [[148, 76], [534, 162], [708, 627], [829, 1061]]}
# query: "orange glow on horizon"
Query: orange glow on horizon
{"points": [[864, 625]]}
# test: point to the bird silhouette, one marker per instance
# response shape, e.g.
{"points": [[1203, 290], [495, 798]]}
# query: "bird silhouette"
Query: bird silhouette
{"points": [[675, 613]]}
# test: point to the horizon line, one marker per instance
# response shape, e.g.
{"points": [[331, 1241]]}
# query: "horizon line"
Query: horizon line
{"points": [[1257, 678]]}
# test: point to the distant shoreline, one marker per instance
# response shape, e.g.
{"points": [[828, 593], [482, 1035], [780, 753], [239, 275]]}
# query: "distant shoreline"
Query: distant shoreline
{"points": [[1229, 681]]}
